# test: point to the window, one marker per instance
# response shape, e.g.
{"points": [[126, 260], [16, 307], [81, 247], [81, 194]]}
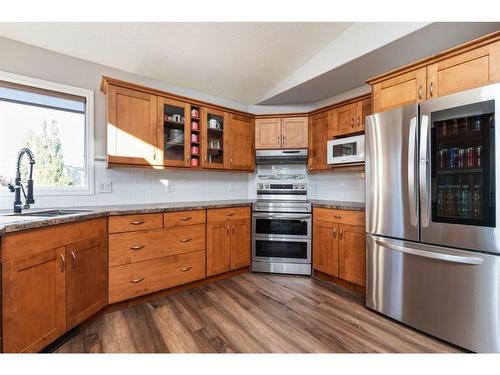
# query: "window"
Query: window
{"points": [[56, 122]]}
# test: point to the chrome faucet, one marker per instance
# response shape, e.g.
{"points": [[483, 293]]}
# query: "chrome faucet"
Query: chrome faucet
{"points": [[18, 186]]}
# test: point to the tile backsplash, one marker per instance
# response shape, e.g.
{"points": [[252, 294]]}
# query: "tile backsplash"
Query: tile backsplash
{"points": [[339, 186], [136, 185]]}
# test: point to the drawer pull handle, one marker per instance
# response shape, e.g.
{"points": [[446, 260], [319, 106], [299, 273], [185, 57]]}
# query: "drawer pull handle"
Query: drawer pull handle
{"points": [[338, 216], [140, 222], [186, 240], [186, 218], [185, 269], [138, 247], [229, 213], [136, 280]]}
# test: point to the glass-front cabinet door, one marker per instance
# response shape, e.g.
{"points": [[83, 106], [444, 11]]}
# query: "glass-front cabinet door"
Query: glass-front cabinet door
{"points": [[175, 132], [463, 165], [214, 138], [458, 181]]}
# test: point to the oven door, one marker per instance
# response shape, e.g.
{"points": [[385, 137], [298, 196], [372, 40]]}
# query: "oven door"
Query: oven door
{"points": [[281, 225], [285, 250]]}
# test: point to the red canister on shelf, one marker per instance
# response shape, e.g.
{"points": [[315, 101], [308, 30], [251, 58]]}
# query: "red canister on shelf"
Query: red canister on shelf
{"points": [[195, 150], [194, 125]]}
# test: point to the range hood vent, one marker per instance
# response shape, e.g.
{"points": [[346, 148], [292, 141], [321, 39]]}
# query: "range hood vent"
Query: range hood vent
{"points": [[298, 156]]}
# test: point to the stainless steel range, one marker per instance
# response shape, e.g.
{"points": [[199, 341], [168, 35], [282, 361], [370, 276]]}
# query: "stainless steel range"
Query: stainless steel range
{"points": [[281, 227]]}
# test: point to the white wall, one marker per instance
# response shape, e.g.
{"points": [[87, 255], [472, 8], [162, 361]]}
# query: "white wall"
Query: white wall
{"points": [[338, 186]]}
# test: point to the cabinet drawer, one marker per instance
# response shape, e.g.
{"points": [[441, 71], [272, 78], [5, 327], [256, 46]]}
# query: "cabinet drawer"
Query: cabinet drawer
{"points": [[130, 223], [136, 279], [222, 214], [339, 216], [182, 218], [125, 248]]}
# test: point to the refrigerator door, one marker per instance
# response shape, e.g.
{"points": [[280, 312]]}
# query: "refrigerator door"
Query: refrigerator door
{"points": [[391, 173], [458, 183], [450, 294]]}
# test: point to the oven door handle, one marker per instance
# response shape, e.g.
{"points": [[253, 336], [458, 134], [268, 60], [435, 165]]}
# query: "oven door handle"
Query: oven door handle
{"points": [[284, 216]]}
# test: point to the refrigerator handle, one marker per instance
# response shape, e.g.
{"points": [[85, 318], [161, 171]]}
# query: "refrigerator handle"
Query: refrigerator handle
{"points": [[423, 168], [412, 199], [432, 255]]}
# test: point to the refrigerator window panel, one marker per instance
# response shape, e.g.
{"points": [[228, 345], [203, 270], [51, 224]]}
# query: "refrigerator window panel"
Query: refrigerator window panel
{"points": [[463, 165]]}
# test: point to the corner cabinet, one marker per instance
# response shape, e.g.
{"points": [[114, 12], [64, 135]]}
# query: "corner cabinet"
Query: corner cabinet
{"points": [[339, 244], [281, 133], [133, 131], [52, 280], [471, 65], [240, 142], [228, 239]]}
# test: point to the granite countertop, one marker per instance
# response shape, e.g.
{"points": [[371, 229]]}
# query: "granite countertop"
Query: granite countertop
{"points": [[339, 205], [9, 224]]}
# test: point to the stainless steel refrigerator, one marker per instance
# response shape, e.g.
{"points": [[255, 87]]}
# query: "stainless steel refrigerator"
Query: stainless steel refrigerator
{"points": [[432, 222]]}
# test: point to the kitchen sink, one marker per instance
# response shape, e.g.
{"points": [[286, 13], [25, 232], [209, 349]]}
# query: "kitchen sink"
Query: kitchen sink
{"points": [[51, 213]]}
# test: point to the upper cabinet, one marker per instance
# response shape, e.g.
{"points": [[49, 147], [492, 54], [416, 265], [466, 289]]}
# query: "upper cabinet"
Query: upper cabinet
{"points": [[363, 109], [343, 120], [240, 142], [471, 65], [281, 133], [318, 134], [133, 132], [151, 128]]}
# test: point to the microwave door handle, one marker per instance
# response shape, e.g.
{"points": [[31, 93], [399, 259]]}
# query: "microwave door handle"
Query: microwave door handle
{"points": [[412, 199], [424, 169]]}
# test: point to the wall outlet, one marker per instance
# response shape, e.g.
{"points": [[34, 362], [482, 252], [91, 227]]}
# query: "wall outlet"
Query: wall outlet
{"points": [[170, 186], [231, 187], [104, 187]]}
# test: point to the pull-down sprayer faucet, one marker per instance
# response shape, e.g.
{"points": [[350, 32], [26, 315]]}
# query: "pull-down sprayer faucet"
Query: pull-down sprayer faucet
{"points": [[18, 186]]}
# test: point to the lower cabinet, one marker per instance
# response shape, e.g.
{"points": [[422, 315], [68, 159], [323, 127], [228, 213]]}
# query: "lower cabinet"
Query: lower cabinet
{"points": [[228, 239], [58, 281], [339, 244]]}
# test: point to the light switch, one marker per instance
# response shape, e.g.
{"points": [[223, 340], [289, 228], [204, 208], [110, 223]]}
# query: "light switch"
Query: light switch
{"points": [[104, 187]]}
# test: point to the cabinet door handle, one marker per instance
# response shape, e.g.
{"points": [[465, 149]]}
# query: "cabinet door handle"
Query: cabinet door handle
{"points": [[233, 229], [227, 230], [186, 240], [420, 92], [359, 122], [63, 263], [341, 233], [283, 140], [431, 89], [185, 269], [73, 257], [139, 222], [334, 233], [231, 161], [278, 141], [186, 218], [352, 122], [137, 247], [136, 280], [338, 216]]}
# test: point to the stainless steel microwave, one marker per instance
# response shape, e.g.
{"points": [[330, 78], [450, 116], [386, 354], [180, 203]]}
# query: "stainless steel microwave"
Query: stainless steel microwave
{"points": [[346, 150]]}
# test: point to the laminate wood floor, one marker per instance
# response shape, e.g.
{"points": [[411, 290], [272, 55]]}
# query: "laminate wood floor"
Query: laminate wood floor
{"points": [[252, 313]]}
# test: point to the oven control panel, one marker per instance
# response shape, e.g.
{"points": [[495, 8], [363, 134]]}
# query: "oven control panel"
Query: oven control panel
{"points": [[278, 187]]}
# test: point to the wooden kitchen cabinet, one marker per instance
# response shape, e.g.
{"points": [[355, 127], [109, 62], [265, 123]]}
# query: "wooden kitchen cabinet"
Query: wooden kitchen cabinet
{"points": [[268, 133], [363, 109], [215, 138], [352, 254], [228, 239], [132, 126], [465, 71], [44, 291], [34, 301], [174, 134], [281, 133], [86, 279], [326, 247], [318, 136], [470, 65], [343, 120], [294, 132], [339, 244], [397, 91], [241, 143]]}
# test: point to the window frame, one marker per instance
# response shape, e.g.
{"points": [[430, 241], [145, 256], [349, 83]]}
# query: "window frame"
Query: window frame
{"points": [[89, 163]]}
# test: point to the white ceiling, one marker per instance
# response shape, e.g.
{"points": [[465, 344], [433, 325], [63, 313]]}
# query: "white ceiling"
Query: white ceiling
{"points": [[238, 61]]}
